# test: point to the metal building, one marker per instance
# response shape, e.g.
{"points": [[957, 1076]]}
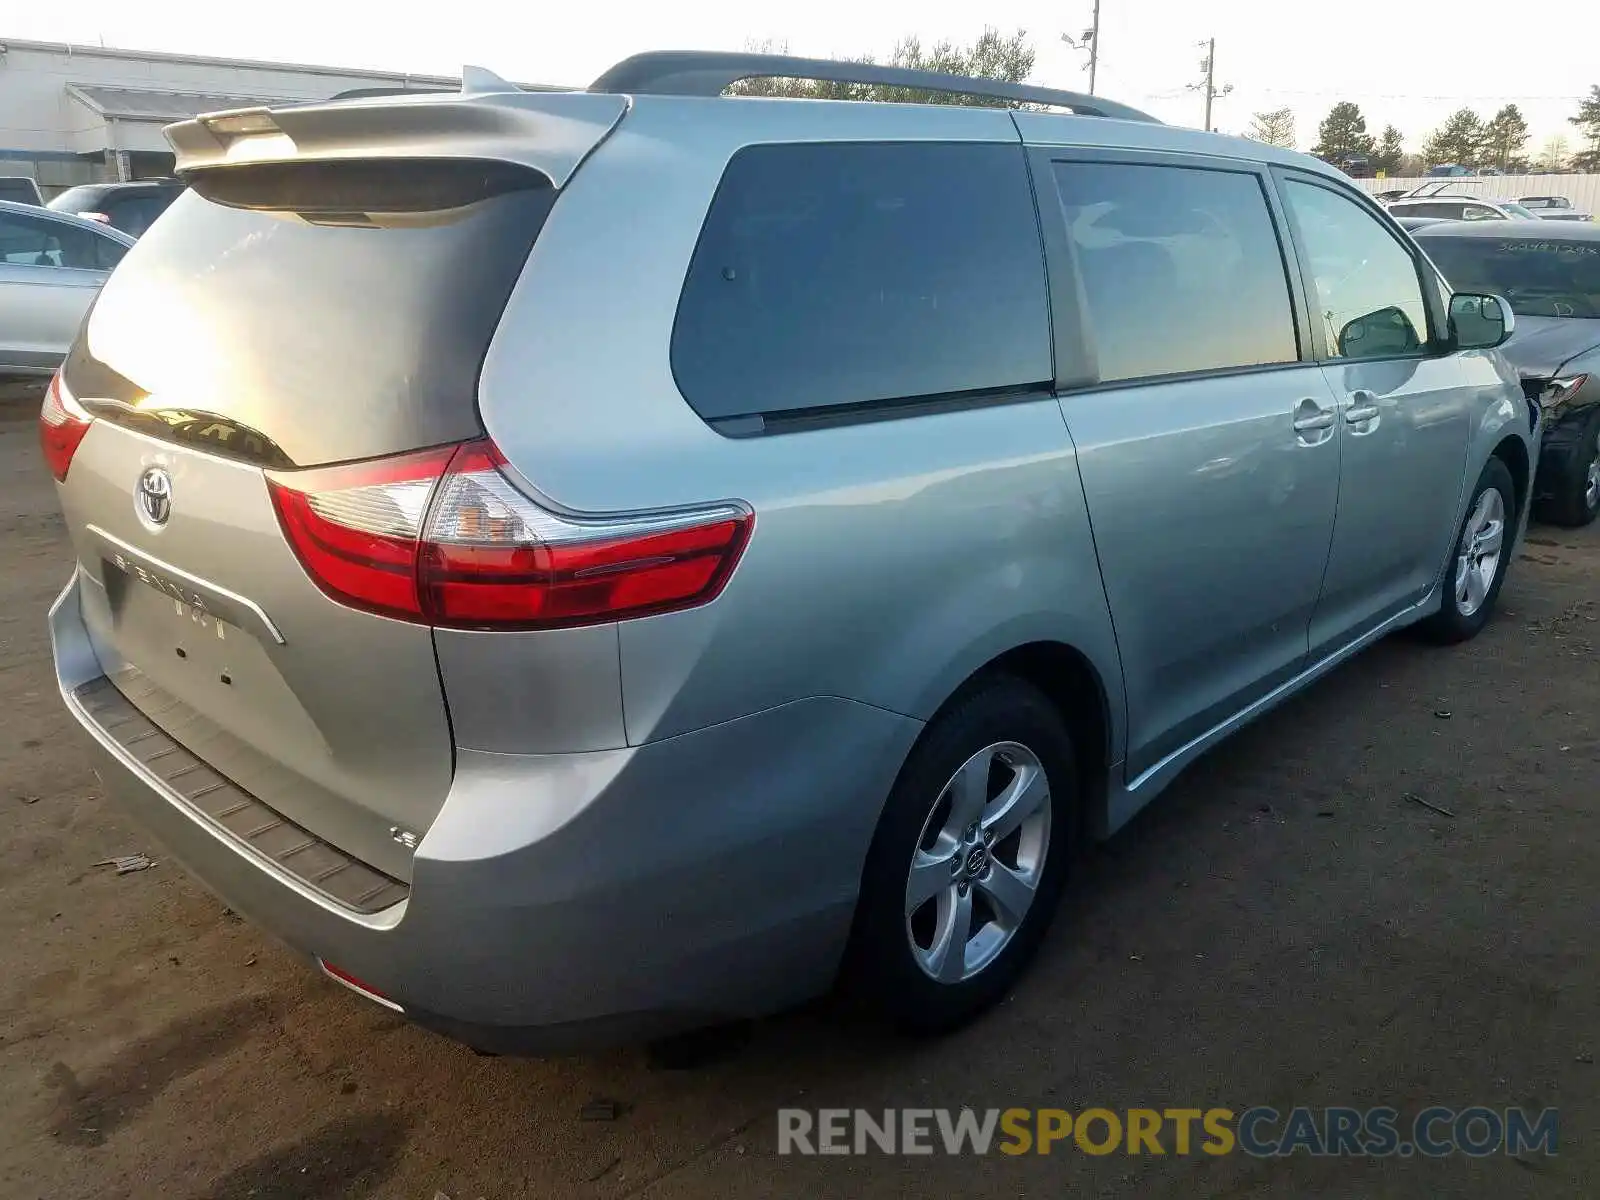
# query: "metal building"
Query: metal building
{"points": [[82, 114]]}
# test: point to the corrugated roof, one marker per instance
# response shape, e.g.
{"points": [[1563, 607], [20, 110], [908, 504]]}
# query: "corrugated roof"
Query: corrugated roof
{"points": [[144, 104]]}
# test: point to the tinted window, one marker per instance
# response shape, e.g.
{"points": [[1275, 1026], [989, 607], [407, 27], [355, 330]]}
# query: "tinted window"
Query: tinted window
{"points": [[1181, 268], [133, 214], [1541, 277], [1368, 294], [41, 242], [832, 275]]}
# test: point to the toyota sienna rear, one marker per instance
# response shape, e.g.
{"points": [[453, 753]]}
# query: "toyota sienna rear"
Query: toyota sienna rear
{"points": [[580, 565]]}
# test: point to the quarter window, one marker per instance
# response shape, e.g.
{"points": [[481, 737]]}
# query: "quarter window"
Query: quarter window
{"points": [[1181, 268], [1369, 296], [833, 275]]}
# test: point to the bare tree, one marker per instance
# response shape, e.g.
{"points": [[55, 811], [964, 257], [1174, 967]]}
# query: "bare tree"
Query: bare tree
{"points": [[1275, 128], [1553, 154]]}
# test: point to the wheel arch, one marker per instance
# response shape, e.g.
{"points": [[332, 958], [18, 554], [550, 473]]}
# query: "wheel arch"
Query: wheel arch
{"points": [[1513, 451], [1077, 689]]}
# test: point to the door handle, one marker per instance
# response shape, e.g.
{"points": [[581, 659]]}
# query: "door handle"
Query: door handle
{"points": [[1363, 407], [1309, 417]]}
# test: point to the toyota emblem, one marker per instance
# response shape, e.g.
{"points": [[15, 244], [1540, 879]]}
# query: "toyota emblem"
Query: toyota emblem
{"points": [[152, 499]]}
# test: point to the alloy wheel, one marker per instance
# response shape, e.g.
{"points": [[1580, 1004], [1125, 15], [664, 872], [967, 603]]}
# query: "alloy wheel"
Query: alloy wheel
{"points": [[978, 862], [1591, 491], [1478, 556]]}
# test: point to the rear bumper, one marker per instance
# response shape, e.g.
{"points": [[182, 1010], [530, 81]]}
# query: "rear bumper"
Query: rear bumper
{"points": [[565, 900]]}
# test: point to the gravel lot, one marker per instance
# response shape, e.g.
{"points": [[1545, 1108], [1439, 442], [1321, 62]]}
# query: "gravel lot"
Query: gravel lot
{"points": [[1284, 927]]}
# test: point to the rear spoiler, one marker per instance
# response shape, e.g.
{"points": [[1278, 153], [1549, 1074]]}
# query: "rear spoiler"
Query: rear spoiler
{"points": [[488, 118]]}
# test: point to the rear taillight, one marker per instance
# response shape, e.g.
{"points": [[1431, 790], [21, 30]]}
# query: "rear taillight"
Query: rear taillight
{"points": [[94, 216], [443, 537], [62, 424], [357, 528]]}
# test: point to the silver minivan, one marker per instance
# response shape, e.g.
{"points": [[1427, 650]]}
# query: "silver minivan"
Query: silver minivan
{"points": [[582, 565]]}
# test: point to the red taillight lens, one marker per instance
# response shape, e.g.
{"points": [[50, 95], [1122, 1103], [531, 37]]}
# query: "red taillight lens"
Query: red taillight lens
{"points": [[356, 528], [62, 424], [94, 216], [445, 538]]}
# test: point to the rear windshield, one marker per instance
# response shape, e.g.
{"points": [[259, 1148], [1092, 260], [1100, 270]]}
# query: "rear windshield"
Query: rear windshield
{"points": [[343, 314], [82, 198], [1541, 277], [19, 189]]}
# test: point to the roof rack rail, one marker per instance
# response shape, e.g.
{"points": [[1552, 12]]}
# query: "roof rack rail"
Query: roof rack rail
{"points": [[708, 73]]}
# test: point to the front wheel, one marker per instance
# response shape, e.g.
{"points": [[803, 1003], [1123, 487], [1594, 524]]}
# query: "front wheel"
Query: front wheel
{"points": [[1482, 554], [968, 859]]}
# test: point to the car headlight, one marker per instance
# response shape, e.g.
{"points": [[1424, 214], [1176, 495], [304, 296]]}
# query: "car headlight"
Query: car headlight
{"points": [[1558, 391]]}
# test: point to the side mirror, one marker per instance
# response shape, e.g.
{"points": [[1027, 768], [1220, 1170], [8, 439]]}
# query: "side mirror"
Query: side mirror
{"points": [[1479, 322], [1382, 334]]}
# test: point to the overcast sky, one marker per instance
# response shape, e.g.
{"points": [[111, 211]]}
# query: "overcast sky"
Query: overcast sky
{"points": [[1409, 64]]}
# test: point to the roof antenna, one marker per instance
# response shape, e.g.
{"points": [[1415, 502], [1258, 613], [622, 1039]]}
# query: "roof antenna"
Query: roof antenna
{"points": [[476, 81]]}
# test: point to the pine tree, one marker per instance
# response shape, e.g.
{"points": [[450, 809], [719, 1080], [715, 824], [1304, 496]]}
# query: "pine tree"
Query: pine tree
{"points": [[1504, 137], [1588, 120], [1391, 150], [1343, 133], [1459, 140]]}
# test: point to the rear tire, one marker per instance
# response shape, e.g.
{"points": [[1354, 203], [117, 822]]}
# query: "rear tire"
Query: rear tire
{"points": [[1478, 559], [968, 861], [1574, 500]]}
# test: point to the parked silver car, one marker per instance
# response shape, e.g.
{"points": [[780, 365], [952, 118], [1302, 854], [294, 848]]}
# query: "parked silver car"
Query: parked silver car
{"points": [[1551, 277], [1554, 208], [51, 266], [843, 511]]}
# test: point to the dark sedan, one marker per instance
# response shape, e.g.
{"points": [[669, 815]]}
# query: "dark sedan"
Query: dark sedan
{"points": [[1551, 276]]}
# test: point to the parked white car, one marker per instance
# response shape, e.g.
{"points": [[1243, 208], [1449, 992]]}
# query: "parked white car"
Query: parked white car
{"points": [[51, 266], [1554, 208], [1459, 208]]}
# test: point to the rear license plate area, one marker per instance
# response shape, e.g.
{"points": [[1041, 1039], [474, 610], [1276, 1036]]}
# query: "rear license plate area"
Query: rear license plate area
{"points": [[136, 592]]}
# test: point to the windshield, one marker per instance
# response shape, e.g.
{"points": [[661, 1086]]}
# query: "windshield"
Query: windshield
{"points": [[1541, 277], [1517, 210]]}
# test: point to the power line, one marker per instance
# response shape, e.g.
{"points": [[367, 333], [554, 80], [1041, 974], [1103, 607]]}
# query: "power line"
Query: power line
{"points": [[1369, 96]]}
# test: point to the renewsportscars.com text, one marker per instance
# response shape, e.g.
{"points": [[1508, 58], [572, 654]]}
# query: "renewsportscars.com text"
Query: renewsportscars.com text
{"points": [[1260, 1131]]}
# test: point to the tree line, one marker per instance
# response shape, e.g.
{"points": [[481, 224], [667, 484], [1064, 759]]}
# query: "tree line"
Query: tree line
{"points": [[1465, 138], [993, 56]]}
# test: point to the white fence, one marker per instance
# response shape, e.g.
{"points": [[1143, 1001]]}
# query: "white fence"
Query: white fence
{"points": [[1582, 190]]}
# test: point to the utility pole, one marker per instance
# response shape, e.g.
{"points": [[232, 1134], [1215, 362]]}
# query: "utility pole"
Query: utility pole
{"points": [[1209, 66], [1090, 41]]}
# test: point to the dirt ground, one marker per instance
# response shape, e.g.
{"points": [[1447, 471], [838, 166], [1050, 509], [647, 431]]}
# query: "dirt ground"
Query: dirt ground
{"points": [[1284, 927]]}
